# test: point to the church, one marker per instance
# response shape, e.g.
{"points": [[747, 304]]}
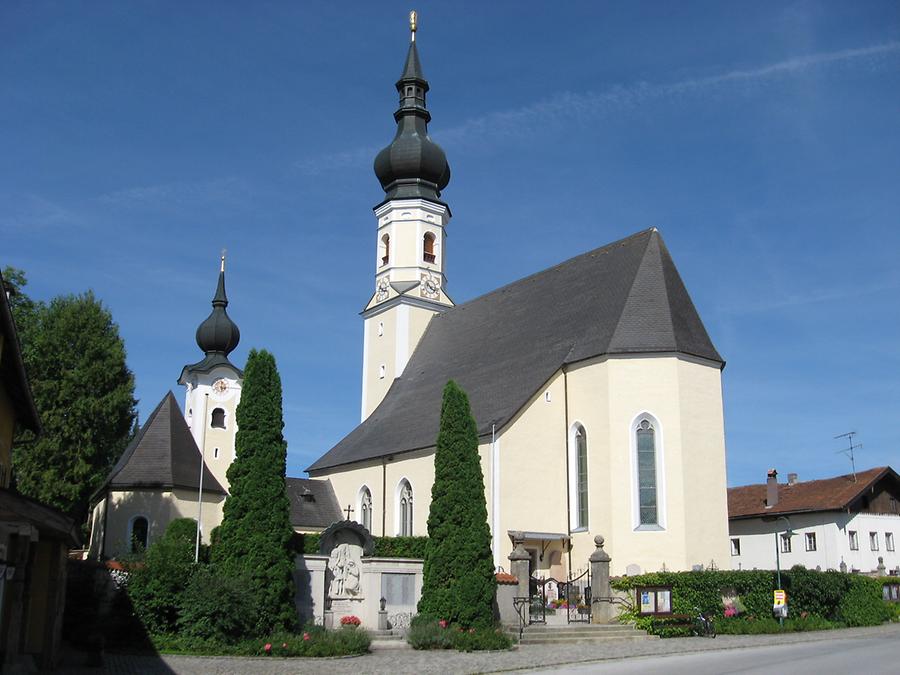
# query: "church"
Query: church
{"points": [[595, 387]]}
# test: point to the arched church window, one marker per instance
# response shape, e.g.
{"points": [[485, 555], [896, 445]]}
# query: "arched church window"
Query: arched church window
{"points": [[218, 418], [646, 468], [365, 508], [581, 476], [428, 247], [138, 531], [406, 509], [385, 249]]}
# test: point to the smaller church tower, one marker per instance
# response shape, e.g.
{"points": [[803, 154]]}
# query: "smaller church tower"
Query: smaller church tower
{"points": [[410, 254], [213, 386]]}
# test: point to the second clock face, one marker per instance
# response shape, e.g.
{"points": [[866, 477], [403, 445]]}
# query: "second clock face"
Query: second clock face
{"points": [[430, 286], [220, 386], [381, 290]]}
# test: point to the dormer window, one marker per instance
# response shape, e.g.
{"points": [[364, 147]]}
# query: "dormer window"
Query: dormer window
{"points": [[428, 248], [218, 419]]}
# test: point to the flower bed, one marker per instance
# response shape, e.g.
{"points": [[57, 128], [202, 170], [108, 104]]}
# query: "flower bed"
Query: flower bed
{"points": [[313, 641], [425, 633]]}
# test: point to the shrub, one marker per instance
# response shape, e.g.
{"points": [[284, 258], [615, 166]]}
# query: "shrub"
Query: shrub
{"points": [[312, 641], [385, 547], [155, 584], [216, 607], [862, 604], [428, 633]]}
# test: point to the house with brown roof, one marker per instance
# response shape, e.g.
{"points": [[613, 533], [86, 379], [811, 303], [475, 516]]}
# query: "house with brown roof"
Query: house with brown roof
{"points": [[849, 523]]}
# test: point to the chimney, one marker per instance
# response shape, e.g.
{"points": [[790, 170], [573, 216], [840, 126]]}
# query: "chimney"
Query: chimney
{"points": [[792, 479], [771, 488]]}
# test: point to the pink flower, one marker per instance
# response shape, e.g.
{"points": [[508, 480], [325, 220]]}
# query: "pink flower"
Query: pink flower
{"points": [[442, 623], [284, 645], [268, 647], [306, 636], [730, 611]]}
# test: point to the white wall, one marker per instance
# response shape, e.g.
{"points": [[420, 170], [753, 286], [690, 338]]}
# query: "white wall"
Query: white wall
{"points": [[832, 528]]}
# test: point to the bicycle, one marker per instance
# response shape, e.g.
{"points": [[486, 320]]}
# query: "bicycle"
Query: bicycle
{"points": [[703, 625]]}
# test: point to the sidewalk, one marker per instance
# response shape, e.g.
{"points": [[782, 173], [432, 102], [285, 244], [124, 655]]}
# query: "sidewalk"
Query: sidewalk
{"points": [[526, 657]]}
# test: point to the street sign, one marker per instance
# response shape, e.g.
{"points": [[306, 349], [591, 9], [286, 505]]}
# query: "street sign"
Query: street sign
{"points": [[780, 598]]}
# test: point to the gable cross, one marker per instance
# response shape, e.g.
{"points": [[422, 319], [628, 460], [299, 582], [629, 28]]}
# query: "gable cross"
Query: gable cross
{"points": [[349, 511]]}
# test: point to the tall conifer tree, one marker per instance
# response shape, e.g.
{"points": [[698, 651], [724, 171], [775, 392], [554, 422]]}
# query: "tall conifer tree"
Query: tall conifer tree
{"points": [[255, 534], [459, 582]]}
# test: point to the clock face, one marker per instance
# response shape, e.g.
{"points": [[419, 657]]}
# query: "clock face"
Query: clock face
{"points": [[381, 290], [430, 287], [220, 386]]}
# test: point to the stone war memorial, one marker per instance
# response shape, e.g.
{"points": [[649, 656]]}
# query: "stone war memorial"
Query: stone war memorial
{"points": [[345, 579]]}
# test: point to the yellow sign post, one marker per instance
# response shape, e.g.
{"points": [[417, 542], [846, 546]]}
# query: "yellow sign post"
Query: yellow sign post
{"points": [[780, 598]]}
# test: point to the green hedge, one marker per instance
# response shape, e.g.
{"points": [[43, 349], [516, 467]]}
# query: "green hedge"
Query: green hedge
{"points": [[836, 597], [385, 547]]}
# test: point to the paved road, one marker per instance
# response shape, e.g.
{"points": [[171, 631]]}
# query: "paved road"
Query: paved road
{"points": [[856, 650], [873, 656]]}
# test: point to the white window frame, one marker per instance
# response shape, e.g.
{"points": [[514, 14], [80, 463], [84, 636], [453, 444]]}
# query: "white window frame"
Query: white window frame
{"points": [[810, 538], [398, 524], [873, 541], [735, 546], [360, 496], [660, 474], [889, 541], [853, 539], [786, 546], [573, 479]]}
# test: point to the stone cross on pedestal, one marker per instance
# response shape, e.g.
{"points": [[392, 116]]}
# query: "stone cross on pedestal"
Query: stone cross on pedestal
{"points": [[520, 567], [601, 591]]}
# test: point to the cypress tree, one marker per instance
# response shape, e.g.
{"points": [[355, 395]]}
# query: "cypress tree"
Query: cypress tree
{"points": [[254, 537], [459, 583]]}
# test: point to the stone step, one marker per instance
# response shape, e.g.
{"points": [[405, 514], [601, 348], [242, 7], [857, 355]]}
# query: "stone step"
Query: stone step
{"points": [[613, 628]]}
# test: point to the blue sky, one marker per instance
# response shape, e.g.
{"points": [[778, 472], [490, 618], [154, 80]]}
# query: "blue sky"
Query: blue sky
{"points": [[763, 139]]}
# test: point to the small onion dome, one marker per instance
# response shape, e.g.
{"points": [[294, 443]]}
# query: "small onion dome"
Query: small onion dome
{"points": [[413, 165], [218, 334]]}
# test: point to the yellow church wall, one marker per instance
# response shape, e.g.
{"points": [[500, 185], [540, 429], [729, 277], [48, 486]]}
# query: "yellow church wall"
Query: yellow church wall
{"points": [[223, 439], [160, 507]]}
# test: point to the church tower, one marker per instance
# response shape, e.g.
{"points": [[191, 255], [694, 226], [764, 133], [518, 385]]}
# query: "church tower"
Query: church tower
{"points": [[410, 260], [213, 386]]}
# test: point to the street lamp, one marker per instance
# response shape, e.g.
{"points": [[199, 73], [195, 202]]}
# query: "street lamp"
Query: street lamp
{"points": [[788, 533]]}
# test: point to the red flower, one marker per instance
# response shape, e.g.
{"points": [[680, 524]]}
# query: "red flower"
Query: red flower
{"points": [[442, 623], [306, 636], [268, 647]]}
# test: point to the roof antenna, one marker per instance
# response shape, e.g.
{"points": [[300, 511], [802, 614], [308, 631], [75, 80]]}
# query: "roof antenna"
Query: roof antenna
{"points": [[849, 451], [413, 16]]}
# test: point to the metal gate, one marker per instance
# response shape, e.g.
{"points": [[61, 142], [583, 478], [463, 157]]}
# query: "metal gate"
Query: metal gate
{"points": [[537, 609], [578, 596]]}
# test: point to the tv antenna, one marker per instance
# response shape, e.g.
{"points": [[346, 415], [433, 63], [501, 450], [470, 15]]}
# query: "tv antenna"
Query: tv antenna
{"points": [[849, 451]]}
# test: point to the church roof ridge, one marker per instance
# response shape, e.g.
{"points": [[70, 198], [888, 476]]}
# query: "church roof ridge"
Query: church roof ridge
{"points": [[502, 347]]}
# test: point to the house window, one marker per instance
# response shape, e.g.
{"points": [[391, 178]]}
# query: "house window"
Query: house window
{"points": [[785, 543], [810, 541], [854, 540], [646, 469], [406, 509], [138, 531], [365, 508], [428, 247], [581, 477], [893, 503], [385, 249], [218, 418], [381, 372], [873, 541], [889, 541], [735, 546]]}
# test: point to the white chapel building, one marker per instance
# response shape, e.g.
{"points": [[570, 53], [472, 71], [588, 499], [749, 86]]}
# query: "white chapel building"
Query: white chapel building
{"points": [[595, 387]]}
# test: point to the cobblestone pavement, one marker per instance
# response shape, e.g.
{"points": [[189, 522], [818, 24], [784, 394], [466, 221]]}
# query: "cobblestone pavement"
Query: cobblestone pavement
{"points": [[525, 658]]}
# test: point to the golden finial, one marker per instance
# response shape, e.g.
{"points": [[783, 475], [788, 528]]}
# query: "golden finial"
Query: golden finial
{"points": [[413, 16], [222, 265]]}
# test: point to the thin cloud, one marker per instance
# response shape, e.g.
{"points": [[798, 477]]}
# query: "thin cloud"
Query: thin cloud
{"points": [[809, 298], [178, 194], [585, 106]]}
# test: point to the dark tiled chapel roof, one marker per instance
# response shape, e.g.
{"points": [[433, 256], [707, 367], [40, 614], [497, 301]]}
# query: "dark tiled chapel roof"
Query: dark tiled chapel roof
{"points": [[163, 454], [624, 298], [313, 503]]}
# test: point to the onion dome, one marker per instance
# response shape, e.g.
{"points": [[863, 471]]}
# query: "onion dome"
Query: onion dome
{"points": [[412, 166], [218, 334]]}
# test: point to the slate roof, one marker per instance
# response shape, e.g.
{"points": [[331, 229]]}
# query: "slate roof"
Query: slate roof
{"points": [[501, 348], [828, 494], [162, 455], [313, 502]]}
